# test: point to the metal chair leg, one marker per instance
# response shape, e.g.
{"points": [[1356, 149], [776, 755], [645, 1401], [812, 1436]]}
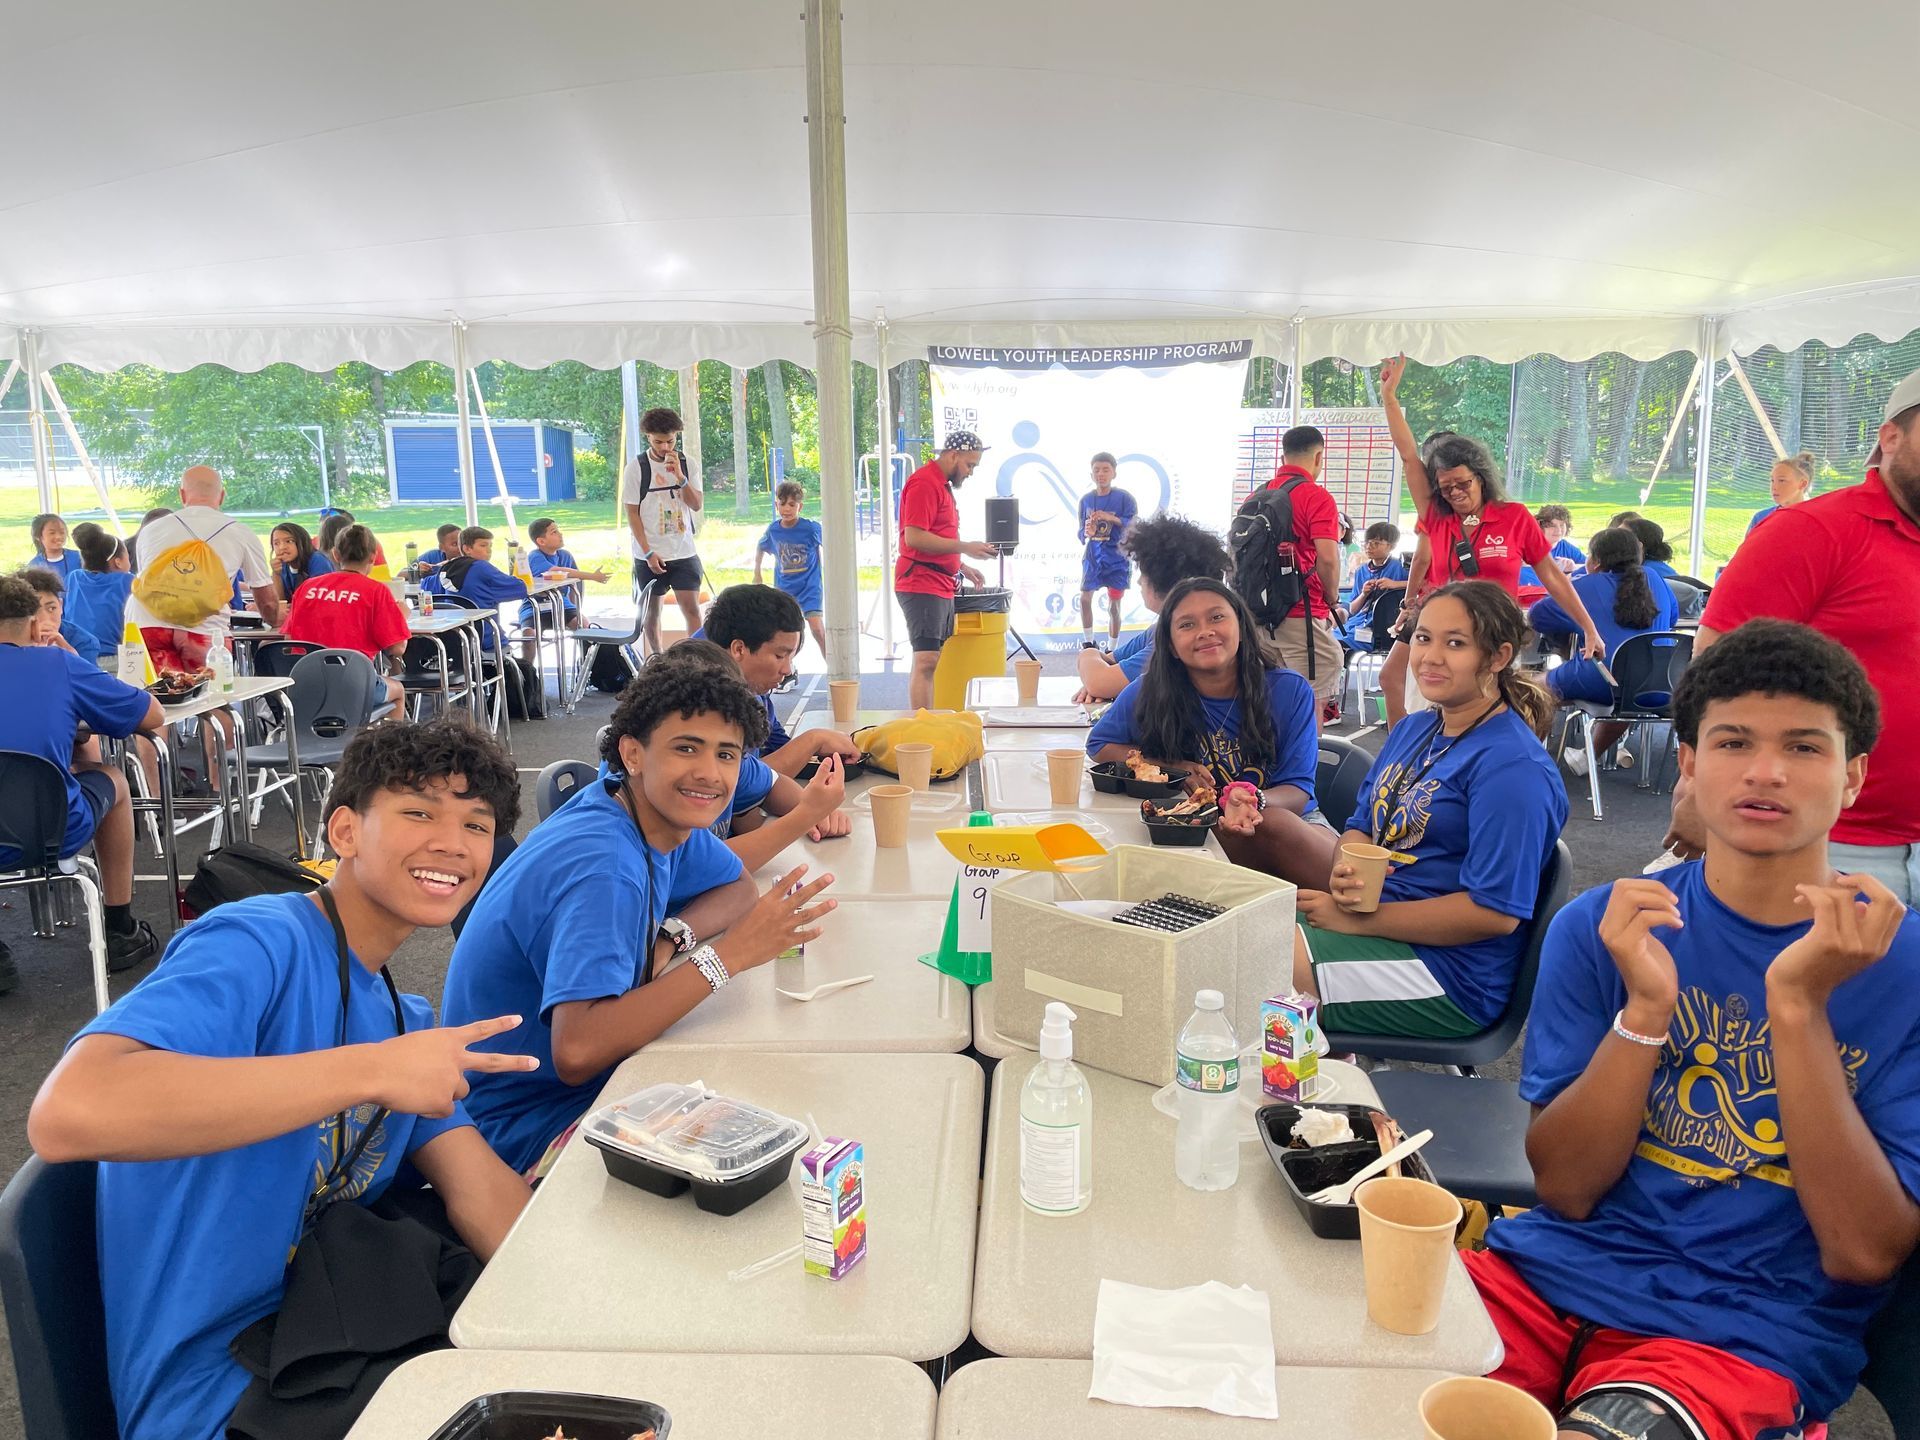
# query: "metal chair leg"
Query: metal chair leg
{"points": [[96, 935], [1593, 764]]}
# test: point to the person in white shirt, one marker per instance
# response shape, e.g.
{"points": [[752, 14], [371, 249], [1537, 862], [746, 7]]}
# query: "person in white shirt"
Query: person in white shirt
{"points": [[661, 497], [198, 518]]}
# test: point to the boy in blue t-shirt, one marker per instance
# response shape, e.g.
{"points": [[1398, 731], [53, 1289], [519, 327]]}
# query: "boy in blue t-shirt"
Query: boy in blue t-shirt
{"points": [[472, 575], [222, 1093], [551, 560], [1379, 571], [433, 562], [795, 546], [1724, 1064], [759, 628], [1105, 514], [67, 692], [573, 931]]}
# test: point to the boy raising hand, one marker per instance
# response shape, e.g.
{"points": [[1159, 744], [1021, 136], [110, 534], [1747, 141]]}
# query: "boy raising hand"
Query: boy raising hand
{"points": [[1724, 1064], [270, 1068]]}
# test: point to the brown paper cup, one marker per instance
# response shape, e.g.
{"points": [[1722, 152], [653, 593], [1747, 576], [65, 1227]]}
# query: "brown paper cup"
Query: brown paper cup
{"points": [[1467, 1408], [1369, 862], [1064, 768], [1026, 674], [846, 702], [892, 809], [914, 761], [1406, 1245]]}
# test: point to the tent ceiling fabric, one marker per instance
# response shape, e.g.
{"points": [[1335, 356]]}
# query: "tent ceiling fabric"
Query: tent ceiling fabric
{"points": [[230, 181]]}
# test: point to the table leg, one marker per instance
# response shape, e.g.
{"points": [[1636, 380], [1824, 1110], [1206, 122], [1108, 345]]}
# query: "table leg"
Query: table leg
{"points": [[299, 789], [169, 843], [241, 813]]}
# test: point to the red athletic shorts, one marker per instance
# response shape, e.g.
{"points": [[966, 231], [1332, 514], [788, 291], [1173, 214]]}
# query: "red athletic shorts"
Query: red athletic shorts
{"points": [[172, 649], [1727, 1398]]}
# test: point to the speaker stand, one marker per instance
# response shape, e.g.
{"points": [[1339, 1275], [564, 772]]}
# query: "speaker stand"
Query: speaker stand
{"points": [[1020, 646]]}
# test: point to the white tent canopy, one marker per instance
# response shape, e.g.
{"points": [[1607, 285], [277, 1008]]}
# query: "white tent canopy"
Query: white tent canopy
{"points": [[227, 181]]}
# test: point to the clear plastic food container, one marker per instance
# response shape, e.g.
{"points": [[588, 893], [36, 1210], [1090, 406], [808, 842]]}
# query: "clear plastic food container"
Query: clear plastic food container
{"points": [[669, 1137]]}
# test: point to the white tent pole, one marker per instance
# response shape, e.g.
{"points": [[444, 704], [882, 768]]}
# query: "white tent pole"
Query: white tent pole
{"points": [[883, 393], [463, 436], [493, 454], [742, 456], [80, 449], [690, 418], [1759, 410], [6, 380], [833, 332], [629, 441], [1673, 430], [1703, 456], [1295, 389], [37, 419]]}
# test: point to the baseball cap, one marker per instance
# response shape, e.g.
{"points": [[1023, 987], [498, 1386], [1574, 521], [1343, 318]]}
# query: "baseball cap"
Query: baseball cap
{"points": [[1905, 396], [962, 440]]}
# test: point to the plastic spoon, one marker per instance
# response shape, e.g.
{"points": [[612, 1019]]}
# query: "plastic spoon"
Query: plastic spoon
{"points": [[1343, 1194], [817, 991]]}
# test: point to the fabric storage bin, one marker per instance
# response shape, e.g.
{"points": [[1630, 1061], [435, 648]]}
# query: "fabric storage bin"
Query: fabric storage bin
{"points": [[1132, 989]]}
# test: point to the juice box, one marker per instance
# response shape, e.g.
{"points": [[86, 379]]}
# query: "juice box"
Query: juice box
{"points": [[1287, 1059], [833, 1207]]}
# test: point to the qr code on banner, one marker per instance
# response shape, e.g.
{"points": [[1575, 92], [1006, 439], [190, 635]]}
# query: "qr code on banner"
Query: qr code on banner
{"points": [[960, 417]]}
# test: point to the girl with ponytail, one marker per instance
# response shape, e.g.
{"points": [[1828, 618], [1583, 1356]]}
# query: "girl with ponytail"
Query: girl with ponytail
{"points": [[1469, 804], [1790, 482]]}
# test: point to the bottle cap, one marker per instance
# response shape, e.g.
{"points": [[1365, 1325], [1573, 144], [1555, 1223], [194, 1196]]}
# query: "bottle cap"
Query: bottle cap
{"points": [[1209, 1000], [1056, 1033]]}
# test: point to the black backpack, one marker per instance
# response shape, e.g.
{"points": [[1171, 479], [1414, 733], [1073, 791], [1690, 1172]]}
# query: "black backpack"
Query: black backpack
{"points": [[239, 871], [609, 673], [1264, 571]]}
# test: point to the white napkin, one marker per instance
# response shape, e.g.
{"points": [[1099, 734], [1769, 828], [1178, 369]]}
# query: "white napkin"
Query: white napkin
{"points": [[1207, 1347]]}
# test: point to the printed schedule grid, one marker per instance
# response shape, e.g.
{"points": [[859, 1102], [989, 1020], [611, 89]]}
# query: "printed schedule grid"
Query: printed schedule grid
{"points": [[1361, 472]]}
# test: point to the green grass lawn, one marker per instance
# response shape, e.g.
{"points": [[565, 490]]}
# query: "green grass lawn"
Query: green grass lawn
{"points": [[597, 539]]}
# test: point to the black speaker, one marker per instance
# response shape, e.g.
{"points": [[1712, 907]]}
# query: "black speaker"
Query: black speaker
{"points": [[1003, 521]]}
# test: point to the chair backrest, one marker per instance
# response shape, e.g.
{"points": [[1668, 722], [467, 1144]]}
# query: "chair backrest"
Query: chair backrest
{"points": [[1646, 668], [50, 1284], [34, 819], [1689, 600], [1337, 780], [333, 693], [1386, 615], [558, 783], [1893, 1354], [278, 657]]}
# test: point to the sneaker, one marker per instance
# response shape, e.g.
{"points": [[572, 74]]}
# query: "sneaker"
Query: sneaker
{"points": [[787, 684], [1574, 759], [9, 974], [1088, 645], [1330, 713], [132, 948]]}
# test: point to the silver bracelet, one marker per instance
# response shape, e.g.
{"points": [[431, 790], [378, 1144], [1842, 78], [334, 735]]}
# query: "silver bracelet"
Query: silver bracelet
{"points": [[710, 966], [1654, 1042]]}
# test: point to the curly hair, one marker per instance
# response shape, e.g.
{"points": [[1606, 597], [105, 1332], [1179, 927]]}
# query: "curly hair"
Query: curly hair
{"points": [[43, 581], [18, 600], [1553, 515], [684, 685], [1497, 620], [404, 756], [1168, 550], [1778, 657], [661, 421], [753, 615], [1457, 450]]}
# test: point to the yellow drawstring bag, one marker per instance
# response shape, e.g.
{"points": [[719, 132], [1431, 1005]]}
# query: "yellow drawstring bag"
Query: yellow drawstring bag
{"points": [[954, 734], [185, 584]]}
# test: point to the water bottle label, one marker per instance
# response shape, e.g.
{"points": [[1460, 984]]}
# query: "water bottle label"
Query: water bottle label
{"points": [[1213, 1077]]}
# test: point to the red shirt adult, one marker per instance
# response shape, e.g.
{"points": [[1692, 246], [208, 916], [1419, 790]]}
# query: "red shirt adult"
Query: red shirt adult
{"points": [[927, 503], [1316, 519], [1507, 538], [347, 611], [1847, 563]]}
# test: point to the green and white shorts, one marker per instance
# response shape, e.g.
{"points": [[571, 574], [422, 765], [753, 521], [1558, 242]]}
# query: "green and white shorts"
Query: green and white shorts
{"points": [[1370, 986]]}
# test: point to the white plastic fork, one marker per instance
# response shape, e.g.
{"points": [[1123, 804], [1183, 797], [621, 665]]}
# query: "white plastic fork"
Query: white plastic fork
{"points": [[827, 989], [1343, 1194]]}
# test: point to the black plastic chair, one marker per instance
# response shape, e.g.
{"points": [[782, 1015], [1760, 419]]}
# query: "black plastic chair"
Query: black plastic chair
{"points": [[1893, 1354], [278, 657], [1479, 1124], [558, 783], [330, 703], [592, 639], [50, 1284], [1484, 1046], [1646, 668], [33, 822], [1336, 783]]}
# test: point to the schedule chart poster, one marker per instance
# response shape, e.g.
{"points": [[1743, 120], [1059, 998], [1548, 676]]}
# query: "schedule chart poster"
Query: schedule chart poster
{"points": [[1362, 471], [1158, 409]]}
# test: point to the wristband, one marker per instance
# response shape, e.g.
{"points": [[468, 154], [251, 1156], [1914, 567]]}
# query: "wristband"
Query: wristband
{"points": [[711, 968], [1259, 795], [1652, 1042]]}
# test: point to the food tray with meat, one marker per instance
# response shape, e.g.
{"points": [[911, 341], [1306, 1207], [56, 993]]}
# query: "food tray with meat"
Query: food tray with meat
{"points": [[1145, 780], [1109, 777], [1306, 1168], [549, 1415], [176, 687], [669, 1138], [1185, 821]]}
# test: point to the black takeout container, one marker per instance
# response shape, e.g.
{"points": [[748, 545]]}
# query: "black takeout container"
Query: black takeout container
{"points": [[1150, 789], [716, 1197], [533, 1414], [1109, 777], [1305, 1170]]}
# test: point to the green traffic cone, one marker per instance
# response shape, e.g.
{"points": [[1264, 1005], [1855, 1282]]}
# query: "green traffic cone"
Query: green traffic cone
{"points": [[974, 967]]}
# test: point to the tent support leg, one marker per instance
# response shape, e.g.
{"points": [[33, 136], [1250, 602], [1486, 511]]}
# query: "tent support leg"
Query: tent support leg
{"points": [[1673, 430], [463, 435], [1759, 410], [1703, 456]]}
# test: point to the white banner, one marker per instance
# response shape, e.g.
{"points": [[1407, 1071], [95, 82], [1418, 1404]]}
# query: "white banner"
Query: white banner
{"points": [[1167, 427]]}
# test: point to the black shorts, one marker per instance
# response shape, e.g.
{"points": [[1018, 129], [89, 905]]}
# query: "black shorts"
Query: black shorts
{"points": [[929, 619], [679, 575]]}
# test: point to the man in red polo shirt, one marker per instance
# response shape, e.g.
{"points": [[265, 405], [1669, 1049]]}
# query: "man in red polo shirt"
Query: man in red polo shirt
{"points": [[930, 551], [1309, 630], [1848, 564]]}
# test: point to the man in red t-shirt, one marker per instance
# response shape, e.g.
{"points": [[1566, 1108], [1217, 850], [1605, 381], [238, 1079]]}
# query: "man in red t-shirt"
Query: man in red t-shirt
{"points": [[930, 551], [1309, 631], [347, 610], [1847, 563]]}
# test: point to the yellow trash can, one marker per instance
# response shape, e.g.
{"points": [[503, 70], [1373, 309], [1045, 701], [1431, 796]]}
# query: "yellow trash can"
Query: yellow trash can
{"points": [[978, 645]]}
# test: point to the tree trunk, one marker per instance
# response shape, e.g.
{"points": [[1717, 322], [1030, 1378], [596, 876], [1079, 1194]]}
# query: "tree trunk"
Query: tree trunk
{"points": [[912, 375], [377, 387], [779, 416], [1620, 442]]}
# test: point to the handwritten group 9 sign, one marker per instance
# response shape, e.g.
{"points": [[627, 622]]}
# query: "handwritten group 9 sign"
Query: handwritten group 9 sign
{"points": [[985, 851]]}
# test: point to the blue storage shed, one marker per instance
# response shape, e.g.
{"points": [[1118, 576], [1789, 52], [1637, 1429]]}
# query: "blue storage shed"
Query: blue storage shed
{"points": [[423, 461]]}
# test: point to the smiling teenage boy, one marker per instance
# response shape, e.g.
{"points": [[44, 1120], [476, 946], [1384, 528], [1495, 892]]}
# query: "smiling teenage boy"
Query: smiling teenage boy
{"points": [[759, 627], [571, 929], [225, 1089], [1724, 1063]]}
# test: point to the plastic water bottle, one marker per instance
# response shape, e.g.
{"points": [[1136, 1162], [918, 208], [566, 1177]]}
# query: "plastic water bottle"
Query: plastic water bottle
{"points": [[220, 661], [1056, 1124], [1206, 1142]]}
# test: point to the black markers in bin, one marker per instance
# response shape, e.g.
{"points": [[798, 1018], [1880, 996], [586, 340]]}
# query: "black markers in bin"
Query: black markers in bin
{"points": [[1170, 912]]}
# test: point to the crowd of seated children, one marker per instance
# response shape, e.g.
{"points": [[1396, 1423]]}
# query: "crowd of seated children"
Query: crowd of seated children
{"points": [[1165, 550]]}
